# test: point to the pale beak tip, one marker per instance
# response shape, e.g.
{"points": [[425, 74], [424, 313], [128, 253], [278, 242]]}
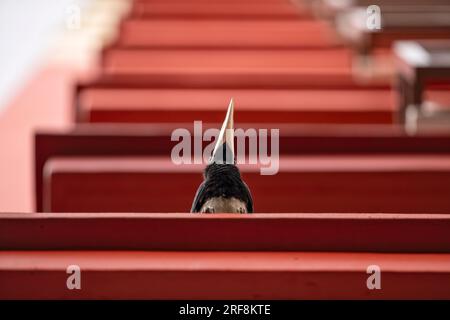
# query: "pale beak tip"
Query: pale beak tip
{"points": [[226, 134]]}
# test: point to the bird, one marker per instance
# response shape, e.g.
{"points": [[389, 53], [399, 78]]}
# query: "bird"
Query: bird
{"points": [[223, 189]]}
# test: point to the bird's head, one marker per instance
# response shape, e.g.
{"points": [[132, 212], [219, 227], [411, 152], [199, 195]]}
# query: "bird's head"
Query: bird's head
{"points": [[223, 190]]}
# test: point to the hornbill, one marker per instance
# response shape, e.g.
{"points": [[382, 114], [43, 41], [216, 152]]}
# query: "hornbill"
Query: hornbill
{"points": [[223, 190]]}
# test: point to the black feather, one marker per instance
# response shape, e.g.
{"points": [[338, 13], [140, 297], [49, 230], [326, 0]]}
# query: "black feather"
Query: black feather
{"points": [[222, 180]]}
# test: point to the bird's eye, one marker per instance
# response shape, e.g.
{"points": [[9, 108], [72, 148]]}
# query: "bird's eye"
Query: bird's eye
{"points": [[208, 210], [241, 210]]}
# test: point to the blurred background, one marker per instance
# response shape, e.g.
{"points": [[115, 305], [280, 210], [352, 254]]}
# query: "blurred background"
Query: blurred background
{"points": [[44, 46], [312, 68]]}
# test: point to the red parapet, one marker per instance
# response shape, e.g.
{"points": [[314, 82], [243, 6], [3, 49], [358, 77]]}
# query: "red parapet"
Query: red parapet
{"points": [[222, 275], [329, 183], [226, 34], [219, 10], [155, 140], [140, 105], [233, 68], [256, 232]]}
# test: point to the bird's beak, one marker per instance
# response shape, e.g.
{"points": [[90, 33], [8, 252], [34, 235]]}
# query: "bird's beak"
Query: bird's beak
{"points": [[224, 149]]}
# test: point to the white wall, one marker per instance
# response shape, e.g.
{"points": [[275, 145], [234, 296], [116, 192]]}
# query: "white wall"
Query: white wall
{"points": [[27, 27]]}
